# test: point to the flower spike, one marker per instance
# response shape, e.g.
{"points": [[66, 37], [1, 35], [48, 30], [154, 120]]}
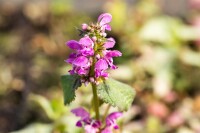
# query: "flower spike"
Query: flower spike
{"points": [[90, 58]]}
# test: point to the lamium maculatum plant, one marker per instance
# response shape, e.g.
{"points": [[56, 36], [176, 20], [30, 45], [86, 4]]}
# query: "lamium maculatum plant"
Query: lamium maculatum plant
{"points": [[90, 60]]}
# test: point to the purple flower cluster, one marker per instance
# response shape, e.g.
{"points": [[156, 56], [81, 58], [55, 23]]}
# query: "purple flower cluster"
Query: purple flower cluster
{"points": [[91, 57], [93, 126]]}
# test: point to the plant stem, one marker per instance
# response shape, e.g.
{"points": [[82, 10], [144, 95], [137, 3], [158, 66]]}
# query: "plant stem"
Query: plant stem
{"points": [[95, 100], [106, 112]]}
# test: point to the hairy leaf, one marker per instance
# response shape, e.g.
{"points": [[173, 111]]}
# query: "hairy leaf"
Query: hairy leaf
{"points": [[116, 93], [69, 84]]}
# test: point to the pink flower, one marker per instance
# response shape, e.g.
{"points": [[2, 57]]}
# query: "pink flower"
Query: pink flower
{"points": [[81, 61], [93, 126], [111, 119], [93, 43], [86, 42], [103, 20], [71, 58], [107, 130], [73, 44], [84, 26], [90, 125], [108, 56], [90, 129], [110, 43], [100, 67], [113, 53], [111, 122]]}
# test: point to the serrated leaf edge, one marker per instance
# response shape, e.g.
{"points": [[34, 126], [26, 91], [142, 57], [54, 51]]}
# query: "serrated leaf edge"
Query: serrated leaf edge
{"points": [[113, 104]]}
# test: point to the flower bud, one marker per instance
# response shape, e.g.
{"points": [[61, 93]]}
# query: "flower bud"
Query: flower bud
{"points": [[92, 30], [88, 28], [84, 26], [104, 34], [86, 83], [99, 40], [94, 38], [98, 56], [92, 79]]}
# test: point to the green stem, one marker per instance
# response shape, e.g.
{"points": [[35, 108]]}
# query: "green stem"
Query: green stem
{"points": [[106, 113], [95, 100]]}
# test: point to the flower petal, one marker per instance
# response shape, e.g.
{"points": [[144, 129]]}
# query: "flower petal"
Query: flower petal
{"points": [[71, 72], [81, 61], [90, 129], [73, 44], [114, 115], [83, 71], [79, 123], [96, 124], [113, 66], [71, 58], [101, 65], [107, 130], [108, 27], [104, 18], [86, 42], [104, 74], [111, 119], [113, 53], [84, 26], [110, 43], [87, 51], [80, 112], [115, 126]]}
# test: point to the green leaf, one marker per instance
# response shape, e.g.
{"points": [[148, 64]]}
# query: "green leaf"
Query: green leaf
{"points": [[44, 104], [116, 93], [69, 84], [36, 128]]}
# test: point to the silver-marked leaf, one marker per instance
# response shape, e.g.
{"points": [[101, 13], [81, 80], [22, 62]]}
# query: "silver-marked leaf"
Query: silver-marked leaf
{"points": [[116, 93], [69, 84]]}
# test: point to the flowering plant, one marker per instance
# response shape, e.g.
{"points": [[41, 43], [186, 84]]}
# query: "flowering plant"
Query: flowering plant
{"points": [[90, 60]]}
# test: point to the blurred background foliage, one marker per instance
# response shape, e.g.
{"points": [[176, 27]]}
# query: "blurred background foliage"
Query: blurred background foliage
{"points": [[160, 42]]}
